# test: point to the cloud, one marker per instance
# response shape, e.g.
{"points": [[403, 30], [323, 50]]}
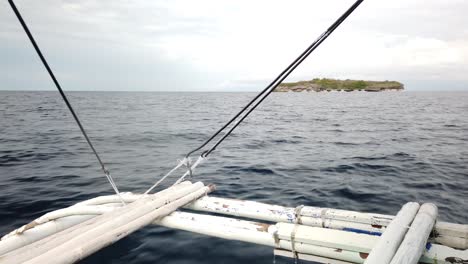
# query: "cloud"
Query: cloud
{"points": [[230, 45]]}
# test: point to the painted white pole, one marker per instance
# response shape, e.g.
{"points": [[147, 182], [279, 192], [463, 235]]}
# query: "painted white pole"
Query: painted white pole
{"points": [[16, 241], [268, 235], [63, 218], [316, 216], [455, 242], [414, 244], [325, 252], [388, 243], [257, 233], [222, 227], [313, 216], [81, 210], [345, 215], [443, 254], [453, 235], [301, 256], [128, 197], [103, 222], [80, 247], [325, 237], [451, 230], [252, 232]]}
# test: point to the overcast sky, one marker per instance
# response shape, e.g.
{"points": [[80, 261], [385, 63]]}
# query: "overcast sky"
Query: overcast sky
{"points": [[186, 45]]}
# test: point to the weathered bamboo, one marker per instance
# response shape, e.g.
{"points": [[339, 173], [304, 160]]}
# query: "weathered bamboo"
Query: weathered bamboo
{"points": [[324, 217], [451, 230], [103, 222], [78, 248], [128, 197], [388, 243], [456, 237], [307, 257], [268, 235], [317, 216], [264, 234], [344, 215], [16, 241], [81, 210], [441, 254], [455, 242], [324, 237], [43, 227], [325, 252], [252, 232], [412, 247], [222, 227]]}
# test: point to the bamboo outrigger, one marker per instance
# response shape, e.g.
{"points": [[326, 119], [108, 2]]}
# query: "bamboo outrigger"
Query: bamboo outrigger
{"points": [[310, 233], [307, 233]]}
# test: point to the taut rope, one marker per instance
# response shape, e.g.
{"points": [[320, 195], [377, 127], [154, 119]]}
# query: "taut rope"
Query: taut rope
{"points": [[235, 121], [64, 97], [258, 99]]}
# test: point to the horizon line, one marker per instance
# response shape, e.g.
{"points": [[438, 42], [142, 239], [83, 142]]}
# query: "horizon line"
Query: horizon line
{"points": [[211, 91]]}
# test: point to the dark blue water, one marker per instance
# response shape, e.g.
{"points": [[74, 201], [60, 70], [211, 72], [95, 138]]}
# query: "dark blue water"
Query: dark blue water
{"points": [[358, 151]]}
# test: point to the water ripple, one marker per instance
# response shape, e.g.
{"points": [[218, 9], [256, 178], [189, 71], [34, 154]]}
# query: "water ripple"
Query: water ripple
{"points": [[368, 152]]}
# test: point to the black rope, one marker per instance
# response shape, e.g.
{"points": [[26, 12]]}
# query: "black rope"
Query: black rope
{"points": [[64, 97], [272, 86]]}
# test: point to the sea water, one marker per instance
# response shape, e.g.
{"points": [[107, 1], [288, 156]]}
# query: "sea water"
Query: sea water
{"points": [[360, 151]]}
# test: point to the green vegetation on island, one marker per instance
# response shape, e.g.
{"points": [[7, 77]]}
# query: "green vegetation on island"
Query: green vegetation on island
{"points": [[325, 84]]}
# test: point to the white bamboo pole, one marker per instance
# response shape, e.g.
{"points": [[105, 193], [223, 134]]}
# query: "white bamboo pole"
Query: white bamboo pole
{"points": [[289, 254], [455, 242], [253, 232], [456, 233], [325, 252], [128, 197], [344, 215], [442, 254], [102, 200], [451, 230], [412, 247], [313, 216], [81, 210], [275, 213], [344, 225], [324, 237], [43, 227], [84, 245], [325, 217], [264, 234], [222, 227], [334, 218], [16, 241], [247, 231], [388, 243], [102, 222]]}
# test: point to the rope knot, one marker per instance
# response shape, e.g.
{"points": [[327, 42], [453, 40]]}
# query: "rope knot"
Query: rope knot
{"points": [[106, 171], [188, 163]]}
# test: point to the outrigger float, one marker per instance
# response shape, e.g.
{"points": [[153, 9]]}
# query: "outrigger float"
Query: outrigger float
{"points": [[315, 234], [323, 235]]}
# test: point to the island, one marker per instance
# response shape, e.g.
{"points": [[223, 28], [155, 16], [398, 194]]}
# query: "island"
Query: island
{"points": [[325, 84]]}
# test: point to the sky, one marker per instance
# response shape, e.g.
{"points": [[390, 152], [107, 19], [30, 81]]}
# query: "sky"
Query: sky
{"points": [[238, 45]]}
